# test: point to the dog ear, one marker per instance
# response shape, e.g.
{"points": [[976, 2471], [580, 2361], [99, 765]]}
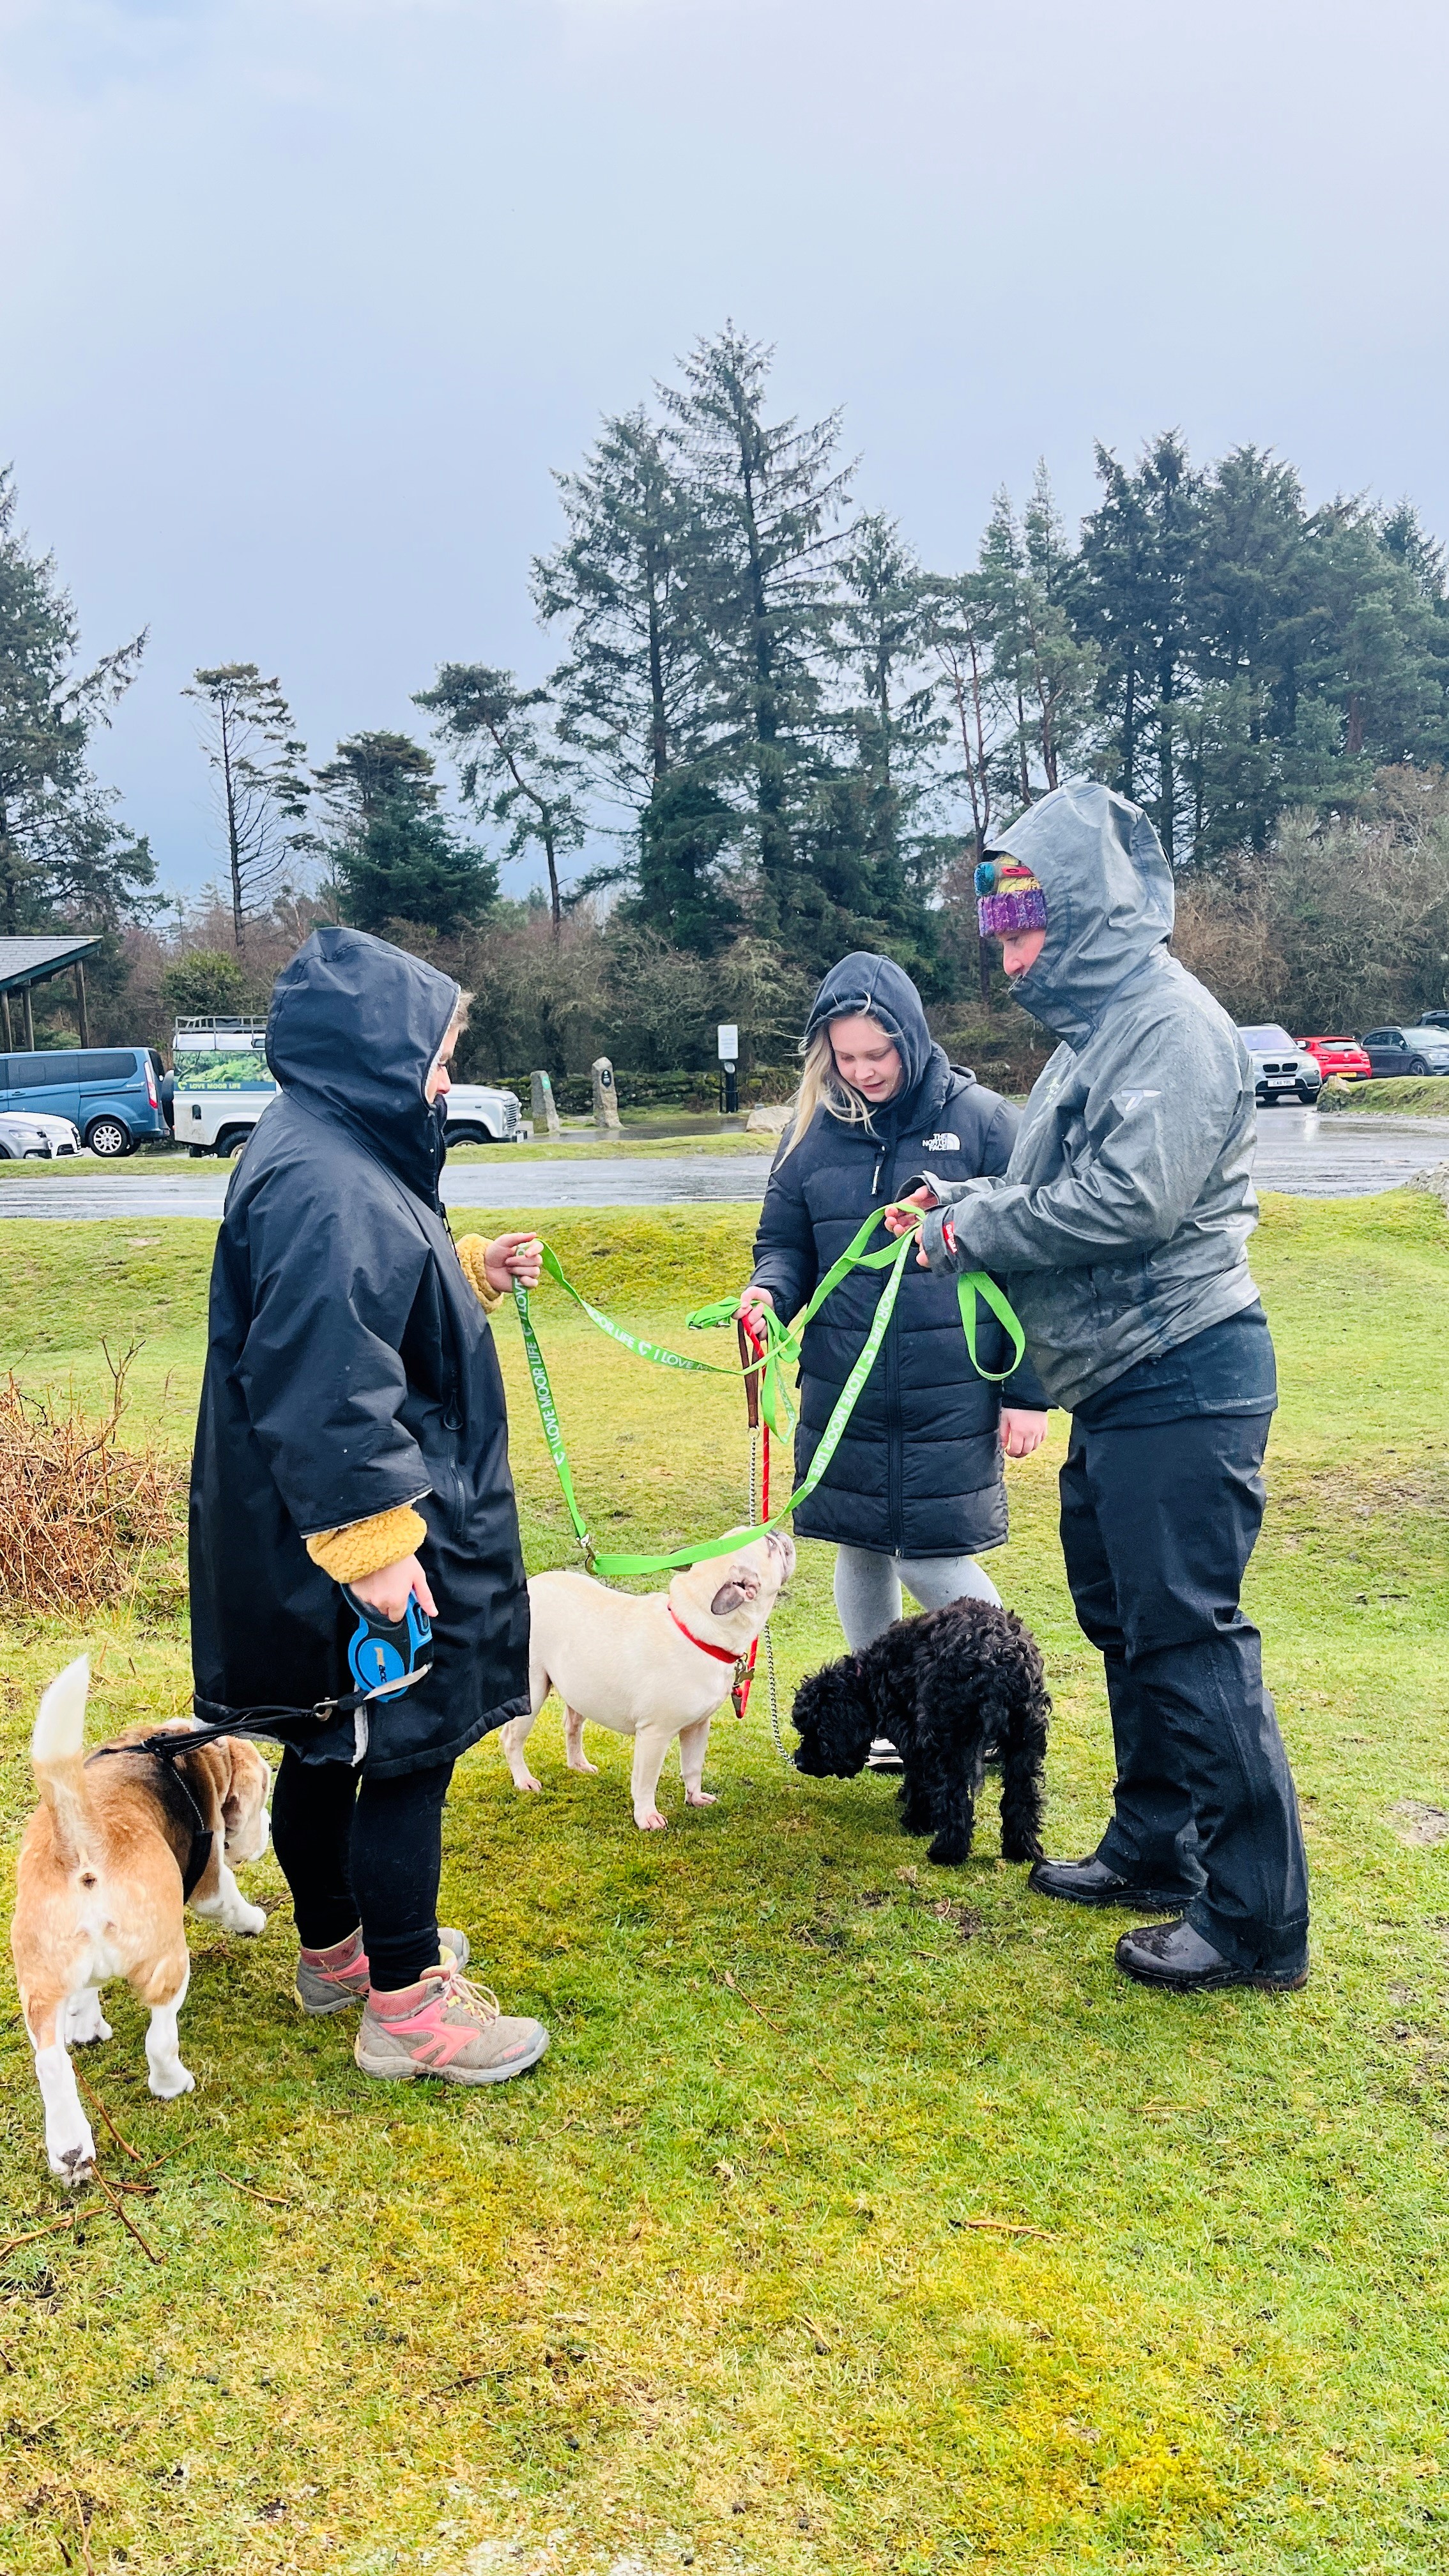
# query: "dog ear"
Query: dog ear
{"points": [[743, 1585]]}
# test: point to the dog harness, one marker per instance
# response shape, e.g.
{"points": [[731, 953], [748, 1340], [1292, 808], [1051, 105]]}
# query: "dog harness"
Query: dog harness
{"points": [[167, 1750]]}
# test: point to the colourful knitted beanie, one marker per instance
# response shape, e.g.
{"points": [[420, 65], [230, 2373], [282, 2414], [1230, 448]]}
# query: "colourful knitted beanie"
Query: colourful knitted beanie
{"points": [[1009, 899]]}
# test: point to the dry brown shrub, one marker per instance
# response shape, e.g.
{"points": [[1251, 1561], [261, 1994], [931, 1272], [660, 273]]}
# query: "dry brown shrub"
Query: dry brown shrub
{"points": [[79, 1514]]}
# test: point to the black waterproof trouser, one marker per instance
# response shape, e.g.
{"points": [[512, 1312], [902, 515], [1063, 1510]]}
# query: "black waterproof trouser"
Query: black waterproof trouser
{"points": [[1158, 1524], [355, 1849]]}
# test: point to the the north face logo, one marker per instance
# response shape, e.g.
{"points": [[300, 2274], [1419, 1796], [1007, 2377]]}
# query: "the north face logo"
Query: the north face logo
{"points": [[947, 1144]]}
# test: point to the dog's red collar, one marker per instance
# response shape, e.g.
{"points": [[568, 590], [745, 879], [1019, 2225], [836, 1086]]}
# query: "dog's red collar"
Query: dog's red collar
{"points": [[721, 1654]]}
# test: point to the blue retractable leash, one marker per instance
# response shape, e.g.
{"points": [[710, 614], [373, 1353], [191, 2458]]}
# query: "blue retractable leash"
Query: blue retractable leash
{"points": [[385, 1655]]}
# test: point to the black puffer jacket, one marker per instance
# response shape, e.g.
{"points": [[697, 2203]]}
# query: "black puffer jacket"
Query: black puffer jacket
{"points": [[350, 1369], [918, 1472]]}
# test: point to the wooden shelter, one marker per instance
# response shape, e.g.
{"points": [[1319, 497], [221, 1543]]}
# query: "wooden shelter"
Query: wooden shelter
{"points": [[26, 962]]}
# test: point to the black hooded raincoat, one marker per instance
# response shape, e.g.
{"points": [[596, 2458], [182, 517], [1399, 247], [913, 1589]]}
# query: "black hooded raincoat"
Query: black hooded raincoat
{"points": [[918, 1472], [350, 1369]]}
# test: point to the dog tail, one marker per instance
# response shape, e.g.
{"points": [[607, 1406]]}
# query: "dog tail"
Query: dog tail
{"points": [[55, 1752]]}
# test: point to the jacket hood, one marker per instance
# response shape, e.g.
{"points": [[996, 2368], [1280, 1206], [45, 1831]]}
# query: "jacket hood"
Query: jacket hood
{"points": [[352, 1033], [1109, 899], [882, 990]]}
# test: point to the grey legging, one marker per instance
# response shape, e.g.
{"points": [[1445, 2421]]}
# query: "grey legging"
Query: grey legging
{"points": [[868, 1588]]}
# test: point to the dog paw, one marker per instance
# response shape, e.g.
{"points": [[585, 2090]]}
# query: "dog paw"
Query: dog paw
{"points": [[592, 1768], [168, 2082], [528, 1782], [700, 1798], [85, 2023], [653, 1823], [73, 2165], [249, 1918]]}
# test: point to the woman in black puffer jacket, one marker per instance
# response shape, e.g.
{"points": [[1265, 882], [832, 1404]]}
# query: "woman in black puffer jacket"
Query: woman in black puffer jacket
{"points": [[915, 1490]]}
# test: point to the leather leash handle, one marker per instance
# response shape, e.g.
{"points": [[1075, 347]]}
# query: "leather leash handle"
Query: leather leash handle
{"points": [[749, 1355]]}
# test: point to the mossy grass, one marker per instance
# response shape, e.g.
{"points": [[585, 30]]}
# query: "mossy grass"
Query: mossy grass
{"points": [[1422, 1096], [713, 2286]]}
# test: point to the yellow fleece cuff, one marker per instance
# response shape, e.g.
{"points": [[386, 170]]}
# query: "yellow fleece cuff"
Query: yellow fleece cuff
{"points": [[473, 1251], [364, 1547]]}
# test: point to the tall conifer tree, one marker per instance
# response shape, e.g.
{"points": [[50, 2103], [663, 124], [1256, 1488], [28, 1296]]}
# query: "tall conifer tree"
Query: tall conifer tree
{"points": [[769, 497]]}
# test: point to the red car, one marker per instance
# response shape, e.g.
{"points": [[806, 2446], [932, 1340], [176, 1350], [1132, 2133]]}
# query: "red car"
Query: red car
{"points": [[1343, 1056]]}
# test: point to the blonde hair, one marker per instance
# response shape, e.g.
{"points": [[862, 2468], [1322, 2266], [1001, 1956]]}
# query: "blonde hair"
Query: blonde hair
{"points": [[823, 1086]]}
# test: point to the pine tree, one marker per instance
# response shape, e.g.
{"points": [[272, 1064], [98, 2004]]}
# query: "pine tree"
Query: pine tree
{"points": [[261, 786], [766, 497], [1130, 601], [61, 851], [631, 697], [1374, 650], [510, 765], [393, 856], [895, 728], [1245, 611]]}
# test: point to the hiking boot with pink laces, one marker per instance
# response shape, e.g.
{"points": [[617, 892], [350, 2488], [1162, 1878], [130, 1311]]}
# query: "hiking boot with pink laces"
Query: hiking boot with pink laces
{"points": [[445, 2026], [330, 1981]]}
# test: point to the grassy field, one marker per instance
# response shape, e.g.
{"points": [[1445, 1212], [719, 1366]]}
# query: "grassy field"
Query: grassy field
{"points": [[1426, 1096], [861, 2218]]}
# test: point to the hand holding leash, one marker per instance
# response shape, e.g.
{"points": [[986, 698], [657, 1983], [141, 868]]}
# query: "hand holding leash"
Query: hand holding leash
{"points": [[391, 1588], [898, 1219], [510, 1257]]}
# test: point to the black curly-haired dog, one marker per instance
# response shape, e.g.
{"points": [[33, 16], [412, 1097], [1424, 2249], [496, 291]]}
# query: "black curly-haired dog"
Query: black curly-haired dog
{"points": [[952, 1689]]}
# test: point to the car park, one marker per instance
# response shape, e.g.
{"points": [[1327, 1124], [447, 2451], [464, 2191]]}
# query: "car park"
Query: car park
{"points": [[1394, 1051], [111, 1095], [1282, 1070], [1341, 1056], [26, 1137]]}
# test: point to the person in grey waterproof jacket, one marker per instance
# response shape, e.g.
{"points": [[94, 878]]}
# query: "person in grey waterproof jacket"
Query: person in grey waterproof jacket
{"points": [[915, 1490], [352, 1431], [1120, 1225]]}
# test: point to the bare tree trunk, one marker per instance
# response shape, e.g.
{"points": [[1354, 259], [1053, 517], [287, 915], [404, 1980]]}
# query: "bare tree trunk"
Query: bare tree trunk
{"points": [[233, 844], [554, 899]]}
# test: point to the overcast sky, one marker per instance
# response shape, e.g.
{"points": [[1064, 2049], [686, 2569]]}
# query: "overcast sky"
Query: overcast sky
{"points": [[300, 300]]}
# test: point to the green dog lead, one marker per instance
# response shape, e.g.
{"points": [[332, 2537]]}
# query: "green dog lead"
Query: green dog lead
{"points": [[781, 1345]]}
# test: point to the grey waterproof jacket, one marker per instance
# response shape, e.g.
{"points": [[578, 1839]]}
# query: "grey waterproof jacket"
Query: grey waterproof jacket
{"points": [[1121, 1220]]}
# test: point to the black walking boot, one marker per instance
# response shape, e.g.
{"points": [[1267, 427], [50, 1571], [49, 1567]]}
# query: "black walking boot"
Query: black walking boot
{"points": [[1091, 1882], [1173, 1955]]}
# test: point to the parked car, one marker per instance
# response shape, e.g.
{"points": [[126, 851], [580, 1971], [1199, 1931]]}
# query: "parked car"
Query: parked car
{"points": [[1434, 1019], [25, 1138], [1420, 1049], [1283, 1071], [223, 1086], [1343, 1056], [479, 1115], [112, 1095]]}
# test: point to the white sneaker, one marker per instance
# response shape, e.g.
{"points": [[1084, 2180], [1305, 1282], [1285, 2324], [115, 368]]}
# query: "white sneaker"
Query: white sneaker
{"points": [[883, 1756]]}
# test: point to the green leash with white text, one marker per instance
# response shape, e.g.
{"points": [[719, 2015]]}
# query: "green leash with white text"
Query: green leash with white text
{"points": [[782, 1345]]}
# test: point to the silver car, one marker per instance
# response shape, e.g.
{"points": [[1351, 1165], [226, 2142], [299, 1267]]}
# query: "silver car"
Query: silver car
{"points": [[1281, 1070], [34, 1136]]}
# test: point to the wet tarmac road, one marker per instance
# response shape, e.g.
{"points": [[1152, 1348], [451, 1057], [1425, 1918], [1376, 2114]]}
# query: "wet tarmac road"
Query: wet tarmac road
{"points": [[1337, 1157]]}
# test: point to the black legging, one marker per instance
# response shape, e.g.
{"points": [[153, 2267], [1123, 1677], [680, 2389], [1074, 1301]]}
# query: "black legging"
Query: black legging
{"points": [[338, 1831]]}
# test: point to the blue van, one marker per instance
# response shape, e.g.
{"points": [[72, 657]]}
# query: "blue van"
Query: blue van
{"points": [[112, 1094]]}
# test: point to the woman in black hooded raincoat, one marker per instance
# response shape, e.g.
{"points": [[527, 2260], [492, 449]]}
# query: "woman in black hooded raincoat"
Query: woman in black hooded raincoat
{"points": [[352, 1429], [915, 1489]]}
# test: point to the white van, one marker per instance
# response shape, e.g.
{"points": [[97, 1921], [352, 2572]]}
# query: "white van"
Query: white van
{"points": [[223, 1086]]}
